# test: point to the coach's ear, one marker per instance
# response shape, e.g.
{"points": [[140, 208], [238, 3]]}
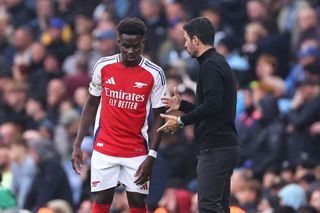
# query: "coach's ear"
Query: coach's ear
{"points": [[195, 40]]}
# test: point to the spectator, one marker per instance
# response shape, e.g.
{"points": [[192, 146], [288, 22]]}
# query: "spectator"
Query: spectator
{"points": [[57, 38], [308, 25], [315, 200], [151, 11], [107, 44], [84, 54], [248, 195], [23, 169], [292, 195], [307, 54], [56, 94], [20, 14], [50, 174], [305, 105], [6, 173], [44, 12]]}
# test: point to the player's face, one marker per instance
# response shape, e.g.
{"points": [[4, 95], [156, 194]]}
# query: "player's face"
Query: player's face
{"points": [[189, 45], [131, 47]]}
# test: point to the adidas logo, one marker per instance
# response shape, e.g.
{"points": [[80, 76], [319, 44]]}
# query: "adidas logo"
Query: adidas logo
{"points": [[110, 81], [144, 186]]}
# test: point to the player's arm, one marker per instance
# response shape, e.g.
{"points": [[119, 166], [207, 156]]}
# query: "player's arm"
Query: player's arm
{"points": [[143, 174], [155, 137], [86, 120]]}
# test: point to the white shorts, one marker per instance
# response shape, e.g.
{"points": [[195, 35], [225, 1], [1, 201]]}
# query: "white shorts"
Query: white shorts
{"points": [[107, 171]]}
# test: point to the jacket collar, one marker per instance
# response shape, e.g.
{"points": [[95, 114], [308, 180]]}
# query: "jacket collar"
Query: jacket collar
{"points": [[206, 54]]}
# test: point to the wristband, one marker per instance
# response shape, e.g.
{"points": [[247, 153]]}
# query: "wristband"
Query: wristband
{"points": [[152, 153]]}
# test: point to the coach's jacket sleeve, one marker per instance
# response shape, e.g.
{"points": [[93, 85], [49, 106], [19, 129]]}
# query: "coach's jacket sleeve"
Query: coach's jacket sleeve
{"points": [[211, 81]]}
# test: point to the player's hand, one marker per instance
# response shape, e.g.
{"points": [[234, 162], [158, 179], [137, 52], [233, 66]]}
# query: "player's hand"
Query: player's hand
{"points": [[172, 103], [76, 159], [143, 173], [171, 124]]}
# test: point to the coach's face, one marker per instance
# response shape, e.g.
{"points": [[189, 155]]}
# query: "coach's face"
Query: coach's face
{"points": [[189, 45], [131, 47]]}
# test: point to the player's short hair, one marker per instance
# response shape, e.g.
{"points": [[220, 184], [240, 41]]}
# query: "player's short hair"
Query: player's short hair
{"points": [[202, 28], [132, 26]]}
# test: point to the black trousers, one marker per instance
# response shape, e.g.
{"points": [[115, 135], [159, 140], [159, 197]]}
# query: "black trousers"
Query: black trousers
{"points": [[214, 169]]}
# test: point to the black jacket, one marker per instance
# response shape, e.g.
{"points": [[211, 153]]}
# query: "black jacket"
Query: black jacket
{"points": [[50, 183], [214, 113]]}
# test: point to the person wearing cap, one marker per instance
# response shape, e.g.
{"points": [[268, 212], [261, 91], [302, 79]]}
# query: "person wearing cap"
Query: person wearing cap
{"points": [[106, 36], [57, 38], [308, 53]]}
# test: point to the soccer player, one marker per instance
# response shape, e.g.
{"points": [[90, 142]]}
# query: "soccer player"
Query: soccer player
{"points": [[123, 88]]}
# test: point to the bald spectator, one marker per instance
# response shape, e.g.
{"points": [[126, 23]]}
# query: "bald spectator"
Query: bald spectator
{"points": [[308, 25]]}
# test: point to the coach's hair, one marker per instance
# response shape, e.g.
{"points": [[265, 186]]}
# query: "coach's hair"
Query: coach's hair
{"points": [[202, 28], [132, 26]]}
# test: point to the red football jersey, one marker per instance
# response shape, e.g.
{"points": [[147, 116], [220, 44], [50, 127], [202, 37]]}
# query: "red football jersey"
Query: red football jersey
{"points": [[127, 93]]}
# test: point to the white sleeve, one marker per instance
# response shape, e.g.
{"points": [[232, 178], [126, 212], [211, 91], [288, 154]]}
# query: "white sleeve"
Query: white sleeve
{"points": [[158, 90], [95, 86]]}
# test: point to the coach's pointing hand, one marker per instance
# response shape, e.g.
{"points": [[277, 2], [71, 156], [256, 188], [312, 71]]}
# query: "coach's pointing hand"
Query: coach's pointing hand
{"points": [[172, 103]]}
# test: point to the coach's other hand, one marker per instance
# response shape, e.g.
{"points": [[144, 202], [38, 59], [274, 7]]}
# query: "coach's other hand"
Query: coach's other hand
{"points": [[171, 124]]}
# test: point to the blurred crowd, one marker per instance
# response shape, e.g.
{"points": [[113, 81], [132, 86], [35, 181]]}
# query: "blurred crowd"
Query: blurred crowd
{"points": [[47, 51]]}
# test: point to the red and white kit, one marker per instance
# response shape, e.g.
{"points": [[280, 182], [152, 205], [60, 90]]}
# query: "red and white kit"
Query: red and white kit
{"points": [[127, 93]]}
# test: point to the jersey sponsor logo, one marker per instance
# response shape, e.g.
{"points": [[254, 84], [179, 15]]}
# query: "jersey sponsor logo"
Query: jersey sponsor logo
{"points": [[111, 81], [124, 100], [139, 85], [100, 144], [126, 96], [95, 183], [145, 186]]}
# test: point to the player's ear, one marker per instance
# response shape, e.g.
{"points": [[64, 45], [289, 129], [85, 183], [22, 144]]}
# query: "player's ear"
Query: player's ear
{"points": [[119, 39]]}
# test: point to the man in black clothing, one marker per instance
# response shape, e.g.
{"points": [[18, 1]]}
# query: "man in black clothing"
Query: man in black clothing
{"points": [[213, 116]]}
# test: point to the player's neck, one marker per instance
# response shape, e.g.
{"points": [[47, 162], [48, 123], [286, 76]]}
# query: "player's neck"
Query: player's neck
{"points": [[130, 63]]}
